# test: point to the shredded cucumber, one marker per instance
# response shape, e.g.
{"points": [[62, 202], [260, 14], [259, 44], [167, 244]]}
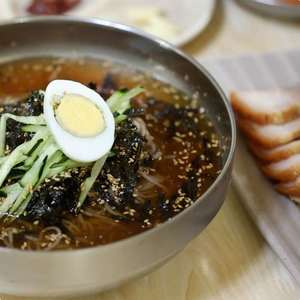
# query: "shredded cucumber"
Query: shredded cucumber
{"points": [[32, 128], [89, 182], [120, 101], [12, 193], [26, 191]]}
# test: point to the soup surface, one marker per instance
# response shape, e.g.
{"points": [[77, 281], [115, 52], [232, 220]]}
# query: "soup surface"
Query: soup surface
{"points": [[166, 154]]}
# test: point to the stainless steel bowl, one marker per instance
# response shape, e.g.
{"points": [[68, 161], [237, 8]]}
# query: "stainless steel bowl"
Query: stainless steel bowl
{"points": [[76, 272], [274, 8]]}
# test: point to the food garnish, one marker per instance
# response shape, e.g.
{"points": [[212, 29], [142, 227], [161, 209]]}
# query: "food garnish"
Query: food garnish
{"points": [[42, 157]]}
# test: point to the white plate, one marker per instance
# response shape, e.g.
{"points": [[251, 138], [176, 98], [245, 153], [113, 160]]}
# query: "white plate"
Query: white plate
{"points": [[189, 17], [276, 216]]}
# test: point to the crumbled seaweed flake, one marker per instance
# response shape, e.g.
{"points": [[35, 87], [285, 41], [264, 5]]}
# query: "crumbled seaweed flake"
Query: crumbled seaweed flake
{"points": [[178, 121], [54, 198], [190, 188], [119, 176], [33, 105], [106, 88], [92, 85], [15, 136]]}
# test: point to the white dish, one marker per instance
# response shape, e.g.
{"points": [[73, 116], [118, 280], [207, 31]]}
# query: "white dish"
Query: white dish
{"points": [[277, 217], [189, 17]]}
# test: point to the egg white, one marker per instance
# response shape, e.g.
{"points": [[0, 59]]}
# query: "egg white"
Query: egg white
{"points": [[83, 149]]}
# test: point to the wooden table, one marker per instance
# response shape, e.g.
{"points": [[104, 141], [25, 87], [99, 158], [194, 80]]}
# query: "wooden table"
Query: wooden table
{"points": [[230, 259]]}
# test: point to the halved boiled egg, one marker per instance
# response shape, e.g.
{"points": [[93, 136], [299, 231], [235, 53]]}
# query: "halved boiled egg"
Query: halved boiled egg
{"points": [[79, 119]]}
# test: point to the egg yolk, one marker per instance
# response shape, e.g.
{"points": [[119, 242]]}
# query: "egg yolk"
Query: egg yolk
{"points": [[79, 116]]}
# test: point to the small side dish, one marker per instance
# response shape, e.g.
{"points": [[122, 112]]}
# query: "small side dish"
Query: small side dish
{"points": [[51, 7], [148, 17], [270, 119]]}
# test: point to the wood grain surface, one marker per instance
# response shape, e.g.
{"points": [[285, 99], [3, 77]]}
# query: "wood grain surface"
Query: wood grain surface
{"points": [[230, 259]]}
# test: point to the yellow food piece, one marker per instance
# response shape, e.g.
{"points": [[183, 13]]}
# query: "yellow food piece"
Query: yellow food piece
{"points": [[79, 116], [153, 20]]}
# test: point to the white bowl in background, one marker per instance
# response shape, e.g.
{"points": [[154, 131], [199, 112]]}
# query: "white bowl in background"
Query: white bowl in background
{"points": [[188, 17]]}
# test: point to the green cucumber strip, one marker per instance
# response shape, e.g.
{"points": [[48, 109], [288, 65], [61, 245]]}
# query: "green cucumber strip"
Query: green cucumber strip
{"points": [[32, 128], [30, 120], [9, 188], [13, 192], [51, 160], [2, 134], [21, 158], [88, 183], [37, 151], [21, 198], [31, 177], [2, 159], [23, 206], [120, 118], [11, 161], [120, 101], [38, 120], [14, 157], [125, 100], [114, 100], [67, 165]]}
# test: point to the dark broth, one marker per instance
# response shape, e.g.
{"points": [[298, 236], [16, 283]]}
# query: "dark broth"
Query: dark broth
{"points": [[189, 160]]}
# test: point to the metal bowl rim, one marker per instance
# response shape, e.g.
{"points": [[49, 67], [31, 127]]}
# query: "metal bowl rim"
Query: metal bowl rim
{"points": [[280, 10], [169, 47], [277, 5]]}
